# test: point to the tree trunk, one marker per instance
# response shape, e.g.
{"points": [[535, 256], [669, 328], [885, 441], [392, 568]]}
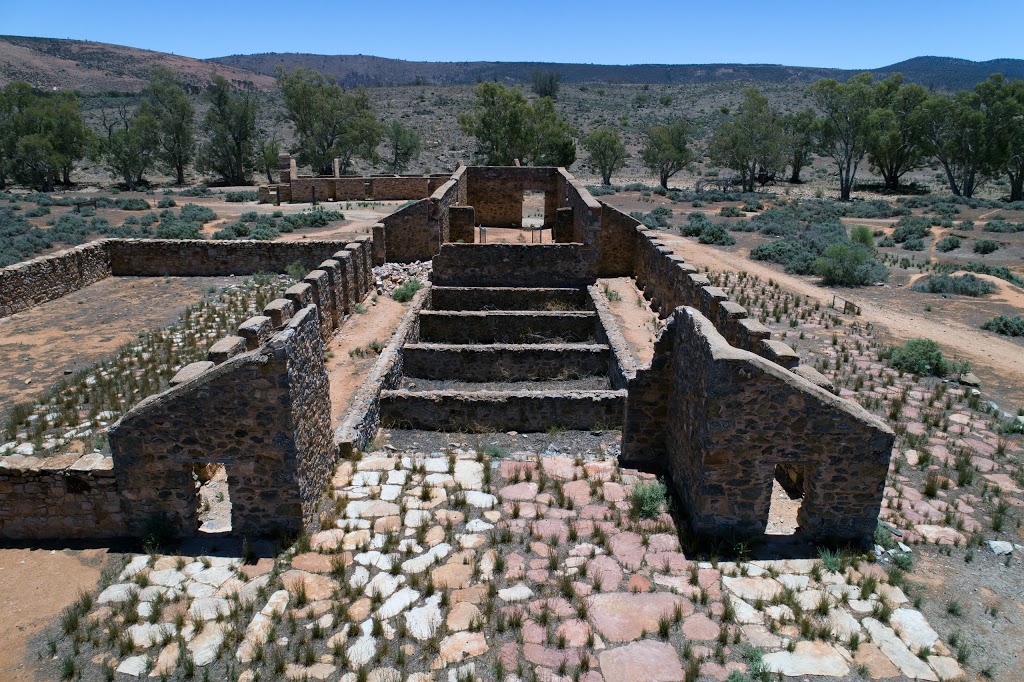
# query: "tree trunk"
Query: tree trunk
{"points": [[1017, 187], [66, 176], [663, 177], [180, 170], [606, 178]]}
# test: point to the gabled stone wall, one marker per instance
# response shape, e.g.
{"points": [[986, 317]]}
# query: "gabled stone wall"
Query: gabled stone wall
{"points": [[726, 418]]}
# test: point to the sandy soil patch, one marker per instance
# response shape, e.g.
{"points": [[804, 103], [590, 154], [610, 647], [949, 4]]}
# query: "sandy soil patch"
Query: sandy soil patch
{"points": [[37, 585], [346, 371], [40, 345]]}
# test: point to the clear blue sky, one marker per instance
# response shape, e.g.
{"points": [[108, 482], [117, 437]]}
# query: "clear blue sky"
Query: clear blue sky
{"points": [[832, 34]]}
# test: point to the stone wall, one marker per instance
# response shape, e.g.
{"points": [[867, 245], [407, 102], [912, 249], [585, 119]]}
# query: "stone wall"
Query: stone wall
{"points": [[305, 188], [622, 364], [496, 192], [263, 414], [504, 362], [618, 243], [202, 258], [39, 280], [509, 298], [68, 496], [727, 417], [504, 326], [586, 215], [526, 411], [524, 265]]}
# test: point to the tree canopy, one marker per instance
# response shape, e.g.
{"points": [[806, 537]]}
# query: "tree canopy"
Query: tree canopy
{"points": [[329, 121], [751, 142], [606, 150], [666, 150], [508, 127]]}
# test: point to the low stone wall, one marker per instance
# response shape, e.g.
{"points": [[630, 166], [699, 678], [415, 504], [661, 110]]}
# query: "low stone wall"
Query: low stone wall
{"points": [[39, 280], [361, 422], [509, 298], [622, 364], [720, 420], [498, 265], [202, 258], [304, 188], [586, 216], [526, 411], [504, 362], [504, 326], [70, 496], [264, 415], [618, 243]]}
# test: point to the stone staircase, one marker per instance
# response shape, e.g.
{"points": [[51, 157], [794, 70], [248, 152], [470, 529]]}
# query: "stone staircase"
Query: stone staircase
{"points": [[500, 358]]}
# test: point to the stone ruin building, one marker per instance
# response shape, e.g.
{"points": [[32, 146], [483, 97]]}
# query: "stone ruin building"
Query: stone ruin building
{"points": [[722, 409]]}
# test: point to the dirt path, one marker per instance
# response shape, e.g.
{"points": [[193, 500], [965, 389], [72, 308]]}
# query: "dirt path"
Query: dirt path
{"points": [[346, 372], [36, 585], [998, 362], [637, 320]]}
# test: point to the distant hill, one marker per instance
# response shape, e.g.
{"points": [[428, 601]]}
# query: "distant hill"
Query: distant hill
{"points": [[49, 63], [350, 70], [98, 67]]}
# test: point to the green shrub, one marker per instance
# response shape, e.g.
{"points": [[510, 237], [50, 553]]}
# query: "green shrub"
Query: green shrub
{"points": [[966, 225], [922, 357], [166, 202], [697, 222], [195, 213], [731, 212], [850, 264], [407, 290], [1008, 326], [657, 218], [947, 244], [37, 212], [875, 208], [886, 241], [964, 285], [914, 244], [752, 206], [249, 217], [910, 227], [646, 499], [131, 204], [985, 246], [715, 234], [239, 197], [861, 234], [314, 218], [1000, 271], [1003, 227]]}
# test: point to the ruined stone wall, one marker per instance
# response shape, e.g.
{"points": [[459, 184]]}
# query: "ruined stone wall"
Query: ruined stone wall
{"points": [[525, 411], [505, 362], [363, 418], [622, 364], [70, 496], [263, 414], [39, 280], [731, 416], [496, 192], [454, 192], [524, 265], [586, 215], [305, 188], [404, 236], [618, 243], [202, 258]]}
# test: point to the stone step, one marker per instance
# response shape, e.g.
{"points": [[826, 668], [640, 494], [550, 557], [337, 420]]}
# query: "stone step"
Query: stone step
{"points": [[518, 327], [504, 361], [508, 298], [560, 385], [523, 411]]}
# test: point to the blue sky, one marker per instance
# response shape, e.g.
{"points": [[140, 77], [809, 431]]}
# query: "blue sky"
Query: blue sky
{"points": [[832, 34]]}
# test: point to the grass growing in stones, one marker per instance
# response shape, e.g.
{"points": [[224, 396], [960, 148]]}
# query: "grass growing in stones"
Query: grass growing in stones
{"points": [[83, 405]]}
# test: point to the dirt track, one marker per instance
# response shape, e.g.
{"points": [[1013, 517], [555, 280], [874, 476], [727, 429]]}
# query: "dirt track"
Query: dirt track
{"points": [[998, 362]]}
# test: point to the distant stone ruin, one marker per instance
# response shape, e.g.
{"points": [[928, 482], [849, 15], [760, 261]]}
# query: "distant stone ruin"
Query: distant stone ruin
{"points": [[505, 337]]}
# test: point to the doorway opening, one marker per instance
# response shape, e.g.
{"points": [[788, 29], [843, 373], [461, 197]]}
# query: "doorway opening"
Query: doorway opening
{"points": [[212, 496], [787, 496]]}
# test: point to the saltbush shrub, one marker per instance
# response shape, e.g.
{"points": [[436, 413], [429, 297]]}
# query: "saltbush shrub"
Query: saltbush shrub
{"points": [[964, 285], [195, 213], [731, 212], [239, 197], [715, 234], [947, 244], [910, 227], [1008, 326], [985, 246], [922, 357], [914, 244], [404, 292], [850, 264]]}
